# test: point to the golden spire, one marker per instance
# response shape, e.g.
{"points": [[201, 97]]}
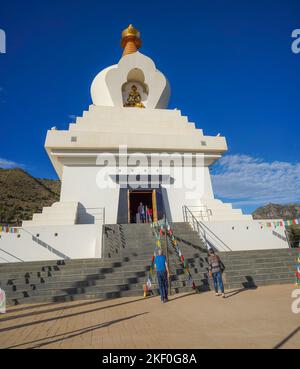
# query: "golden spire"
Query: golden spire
{"points": [[131, 40]]}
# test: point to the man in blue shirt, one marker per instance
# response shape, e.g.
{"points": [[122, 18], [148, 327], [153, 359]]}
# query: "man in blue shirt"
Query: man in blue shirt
{"points": [[162, 271]]}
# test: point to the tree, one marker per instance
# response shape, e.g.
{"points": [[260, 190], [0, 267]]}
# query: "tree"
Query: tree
{"points": [[294, 235]]}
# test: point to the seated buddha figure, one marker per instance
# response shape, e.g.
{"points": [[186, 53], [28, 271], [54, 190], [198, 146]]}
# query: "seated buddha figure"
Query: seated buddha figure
{"points": [[134, 98]]}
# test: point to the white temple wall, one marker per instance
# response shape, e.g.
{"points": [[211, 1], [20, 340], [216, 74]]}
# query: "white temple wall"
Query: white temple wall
{"points": [[80, 184], [246, 235], [192, 192], [75, 241], [84, 184]]}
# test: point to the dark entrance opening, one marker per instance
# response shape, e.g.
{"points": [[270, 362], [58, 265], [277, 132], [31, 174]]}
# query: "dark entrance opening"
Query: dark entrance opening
{"points": [[134, 200]]}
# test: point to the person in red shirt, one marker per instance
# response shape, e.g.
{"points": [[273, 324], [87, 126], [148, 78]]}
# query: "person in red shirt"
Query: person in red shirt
{"points": [[149, 215]]}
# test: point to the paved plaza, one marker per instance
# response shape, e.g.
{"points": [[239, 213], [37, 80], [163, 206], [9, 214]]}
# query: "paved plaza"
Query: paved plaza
{"points": [[258, 318]]}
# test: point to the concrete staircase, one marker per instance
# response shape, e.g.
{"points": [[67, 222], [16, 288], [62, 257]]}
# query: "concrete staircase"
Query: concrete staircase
{"points": [[128, 250], [258, 268]]}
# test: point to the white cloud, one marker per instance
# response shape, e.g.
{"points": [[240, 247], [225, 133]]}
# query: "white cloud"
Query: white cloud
{"points": [[8, 164], [244, 180]]}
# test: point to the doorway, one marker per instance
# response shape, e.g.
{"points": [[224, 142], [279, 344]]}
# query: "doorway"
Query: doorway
{"points": [[147, 198]]}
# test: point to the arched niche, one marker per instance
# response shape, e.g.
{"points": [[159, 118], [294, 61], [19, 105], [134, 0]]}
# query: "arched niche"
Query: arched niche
{"points": [[136, 78], [106, 89]]}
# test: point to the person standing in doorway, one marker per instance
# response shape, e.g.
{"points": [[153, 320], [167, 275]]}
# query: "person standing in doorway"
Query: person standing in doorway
{"points": [[149, 215], [216, 268], [163, 274], [141, 212]]}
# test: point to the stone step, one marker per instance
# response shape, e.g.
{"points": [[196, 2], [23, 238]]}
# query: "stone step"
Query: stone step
{"points": [[258, 283], [258, 260], [238, 266], [62, 278], [96, 281], [128, 251], [258, 254], [133, 270], [92, 290], [125, 273], [255, 253], [275, 267], [261, 277], [112, 262], [109, 286], [117, 274], [64, 297]]}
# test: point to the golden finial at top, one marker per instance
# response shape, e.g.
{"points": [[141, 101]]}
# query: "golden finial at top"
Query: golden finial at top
{"points": [[131, 40]]}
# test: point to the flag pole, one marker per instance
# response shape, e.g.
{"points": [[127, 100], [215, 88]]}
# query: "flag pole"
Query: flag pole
{"points": [[167, 255]]}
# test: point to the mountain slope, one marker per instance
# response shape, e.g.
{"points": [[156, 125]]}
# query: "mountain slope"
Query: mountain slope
{"points": [[21, 195], [276, 211], [286, 212]]}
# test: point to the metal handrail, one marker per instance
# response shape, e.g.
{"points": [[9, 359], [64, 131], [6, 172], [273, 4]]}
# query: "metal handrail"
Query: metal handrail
{"points": [[278, 235], [102, 235], [203, 231], [11, 255], [287, 235], [6, 261], [202, 211], [45, 245], [103, 215]]}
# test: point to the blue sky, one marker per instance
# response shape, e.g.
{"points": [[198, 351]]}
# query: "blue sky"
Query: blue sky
{"points": [[229, 63]]}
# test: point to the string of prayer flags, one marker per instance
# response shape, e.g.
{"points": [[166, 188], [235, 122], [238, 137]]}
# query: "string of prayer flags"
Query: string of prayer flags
{"points": [[5, 229], [147, 286], [162, 228], [280, 223], [181, 257], [158, 223]]}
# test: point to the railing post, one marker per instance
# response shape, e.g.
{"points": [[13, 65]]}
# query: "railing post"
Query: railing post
{"points": [[45, 245], [203, 229], [287, 237], [205, 240]]}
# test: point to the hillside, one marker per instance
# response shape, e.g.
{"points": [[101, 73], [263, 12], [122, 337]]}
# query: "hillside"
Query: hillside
{"points": [[21, 195], [275, 211], [286, 212]]}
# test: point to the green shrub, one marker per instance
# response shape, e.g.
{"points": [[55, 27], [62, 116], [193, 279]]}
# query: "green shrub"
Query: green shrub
{"points": [[294, 235]]}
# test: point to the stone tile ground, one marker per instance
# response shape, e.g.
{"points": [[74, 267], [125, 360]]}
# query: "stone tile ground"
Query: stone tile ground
{"points": [[260, 318]]}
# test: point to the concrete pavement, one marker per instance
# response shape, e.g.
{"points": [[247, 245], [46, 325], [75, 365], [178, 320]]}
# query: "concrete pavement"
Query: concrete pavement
{"points": [[260, 318]]}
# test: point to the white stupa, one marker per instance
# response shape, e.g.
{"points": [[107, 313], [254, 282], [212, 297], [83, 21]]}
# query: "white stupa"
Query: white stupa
{"points": [[127, 148]]}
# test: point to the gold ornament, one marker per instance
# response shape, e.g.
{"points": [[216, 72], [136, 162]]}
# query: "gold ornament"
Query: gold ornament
{"points": [[134, 99], [131, 40]]}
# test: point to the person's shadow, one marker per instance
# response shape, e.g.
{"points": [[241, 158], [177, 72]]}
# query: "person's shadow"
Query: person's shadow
{"points": [[248, 285]]}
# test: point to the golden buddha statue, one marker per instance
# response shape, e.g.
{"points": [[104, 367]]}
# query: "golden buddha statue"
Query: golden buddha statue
{"points": [[134, 99]]}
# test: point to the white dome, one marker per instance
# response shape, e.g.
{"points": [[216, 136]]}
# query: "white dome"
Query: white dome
{"points": [[111, 85], [99, 91]]}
